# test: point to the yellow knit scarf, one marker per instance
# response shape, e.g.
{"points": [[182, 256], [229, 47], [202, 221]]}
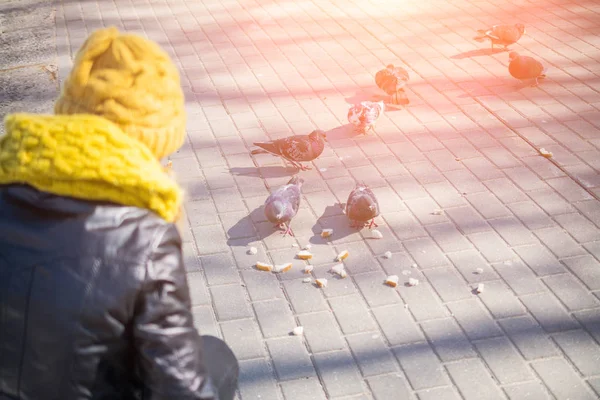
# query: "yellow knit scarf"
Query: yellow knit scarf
{"points": [[85, 157]]}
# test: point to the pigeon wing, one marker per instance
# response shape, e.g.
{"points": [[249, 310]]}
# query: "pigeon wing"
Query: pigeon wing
{"points": [[296, 148]]}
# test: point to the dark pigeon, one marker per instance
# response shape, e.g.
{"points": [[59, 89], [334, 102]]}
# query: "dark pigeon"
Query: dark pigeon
{"points": [[503, 35], [282, 205], [525, 68], [362, 206], [392, 80], [295, 149]]}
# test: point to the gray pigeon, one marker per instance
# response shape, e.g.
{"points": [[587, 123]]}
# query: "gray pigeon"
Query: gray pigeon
{"points": [[503, 35], [524, 67], [295, 149], [282, 205], [362, 206]]}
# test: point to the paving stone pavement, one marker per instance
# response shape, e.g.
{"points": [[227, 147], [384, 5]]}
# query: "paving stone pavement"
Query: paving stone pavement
{"points": [[467, 144]]}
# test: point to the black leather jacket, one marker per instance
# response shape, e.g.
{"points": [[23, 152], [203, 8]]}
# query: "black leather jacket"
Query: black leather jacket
{"points": [[94, 303]]}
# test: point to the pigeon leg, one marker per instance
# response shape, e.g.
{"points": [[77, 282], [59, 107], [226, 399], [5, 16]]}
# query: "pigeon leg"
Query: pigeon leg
{"points": [[288, 230], [373, 224], [304, 167], [535, 83]]}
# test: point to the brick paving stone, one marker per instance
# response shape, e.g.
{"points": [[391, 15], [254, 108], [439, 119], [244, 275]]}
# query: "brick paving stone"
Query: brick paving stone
{"points": [[491, 246], [559, 242], [262, 285], [198, 289], [482, 168], [383, 245], [352, 314], [540, 260], [390, 386], [422, 301], [290, 358], [464, 181], [473, 380], [397, 325], [424, 209], [407, 187], [238, 225], [561, 379], [501, 301], [546, 308], [474, 319], [404, 225], [374, 290], [448, 237], [581, 349], [303, 389], [468, 220], [468, 262], [230, 302], [587, 269], [360, 258], [321, 332], [228, 200], [243, 337], [551, 202], [506, 191], [304, 297], [513, 231], [445, 194], [527, 391], [525, 179], [571, 292], [220, 269], [256, 380], [201, 212], [569, 189], [519, 277], [210, 239], [443, 393], [529, 337], [488, 205], [274, 317], [422, 367], [579, 227], [507, 365], [339, 373], [448, 340], [204, 321], [531, 215], [372, 354], [448, 284], [426, 253]]}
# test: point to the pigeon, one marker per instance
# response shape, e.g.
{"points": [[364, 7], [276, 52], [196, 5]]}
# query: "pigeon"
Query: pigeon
{"points": [[362, 206], [364, 115], [392, 80], [503, 35], [282, 205], [524, 67], [295, 149]]}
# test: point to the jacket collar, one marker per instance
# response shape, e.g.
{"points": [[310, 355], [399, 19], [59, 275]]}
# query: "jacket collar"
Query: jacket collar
{"points": [[85, 157]]}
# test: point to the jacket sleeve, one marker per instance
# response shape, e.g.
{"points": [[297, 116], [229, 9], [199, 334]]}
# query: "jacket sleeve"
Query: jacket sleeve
{"points": [[167, 343]]}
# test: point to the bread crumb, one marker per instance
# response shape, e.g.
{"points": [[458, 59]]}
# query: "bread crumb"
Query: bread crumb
{"points": [[298, 331], [304, 255], [264, 266], [252, 251], [375, 234], [342, 256], [326, 233], [308, 269], [339, 270], [321, 282], [387, 254], [479, 289], [413, 282], [282, 267], [392, 280]]}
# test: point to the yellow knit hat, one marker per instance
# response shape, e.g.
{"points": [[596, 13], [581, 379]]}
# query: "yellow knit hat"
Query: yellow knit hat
{"points": [[132, 82]]}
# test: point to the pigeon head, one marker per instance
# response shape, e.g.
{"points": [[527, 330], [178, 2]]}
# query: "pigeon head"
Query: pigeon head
{"points": [[513, 55], [521, 28], [296, 180], [318, 135]]}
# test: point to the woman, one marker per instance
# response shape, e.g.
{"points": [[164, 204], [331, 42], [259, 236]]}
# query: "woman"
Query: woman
{"points": [[94, 302]]}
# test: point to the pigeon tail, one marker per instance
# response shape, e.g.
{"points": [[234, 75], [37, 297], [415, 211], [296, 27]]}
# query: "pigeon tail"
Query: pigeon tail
{"points": [[481, 34], [265, 147]]}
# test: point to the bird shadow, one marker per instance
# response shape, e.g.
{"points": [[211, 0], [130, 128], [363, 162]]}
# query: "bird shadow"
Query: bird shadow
{"points": [[269, 171], [334, 218], [478, 53], [374, 96]]}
